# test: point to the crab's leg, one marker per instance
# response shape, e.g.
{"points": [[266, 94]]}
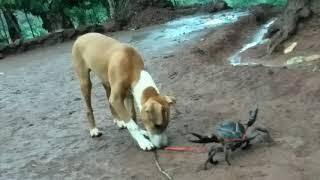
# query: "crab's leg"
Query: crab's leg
{"points": [[204, 139], [253, 117], [264, 130], [247, 144], [212, 152], [227, 153]]}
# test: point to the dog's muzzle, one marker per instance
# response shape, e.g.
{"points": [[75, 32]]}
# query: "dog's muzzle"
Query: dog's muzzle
{"points": [[159, 140]]}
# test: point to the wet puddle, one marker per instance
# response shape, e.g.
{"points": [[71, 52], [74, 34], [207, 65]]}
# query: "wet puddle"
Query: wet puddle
{"points": [[257, 39], [172, 33]]}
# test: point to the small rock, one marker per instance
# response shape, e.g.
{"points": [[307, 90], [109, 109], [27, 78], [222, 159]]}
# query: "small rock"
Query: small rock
{"points": [[270, 72], [295, 60], [31, 125], [168, 56], [316, 68], [195, 97], [313, 57], [17, 92], [71, 112], [1, 56], [77, 99], [173, 75], [290, 48]]}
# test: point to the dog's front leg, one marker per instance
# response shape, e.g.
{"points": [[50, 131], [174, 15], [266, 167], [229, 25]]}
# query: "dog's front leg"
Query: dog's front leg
{"points": [[138, 135], [118, 104]]}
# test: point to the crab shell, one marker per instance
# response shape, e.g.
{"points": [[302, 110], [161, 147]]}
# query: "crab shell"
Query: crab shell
{"points": [[230, 130]]}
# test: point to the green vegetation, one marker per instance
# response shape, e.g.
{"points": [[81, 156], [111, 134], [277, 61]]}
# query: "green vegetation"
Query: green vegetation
{"points": [[182, 3], [248, 3], [27, 19], [88, 13], [231, 3]]}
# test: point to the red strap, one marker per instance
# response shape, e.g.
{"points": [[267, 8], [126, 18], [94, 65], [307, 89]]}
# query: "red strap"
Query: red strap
{"points": [[187, 148]]}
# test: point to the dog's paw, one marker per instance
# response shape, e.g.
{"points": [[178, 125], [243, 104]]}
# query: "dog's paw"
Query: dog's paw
{"points": [[120, 124], [145, 144], [95, 132], [144, 132]]}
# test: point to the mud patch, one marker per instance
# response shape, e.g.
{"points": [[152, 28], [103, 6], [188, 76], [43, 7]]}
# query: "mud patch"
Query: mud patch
{"points": [[219, 44], [151, 16]]}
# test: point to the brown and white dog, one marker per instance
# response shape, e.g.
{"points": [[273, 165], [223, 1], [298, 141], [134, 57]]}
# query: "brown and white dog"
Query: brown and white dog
{"points": [[121, 70]]}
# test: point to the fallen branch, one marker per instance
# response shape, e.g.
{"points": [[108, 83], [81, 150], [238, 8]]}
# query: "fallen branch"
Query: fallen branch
{"points": [[159, 167]]}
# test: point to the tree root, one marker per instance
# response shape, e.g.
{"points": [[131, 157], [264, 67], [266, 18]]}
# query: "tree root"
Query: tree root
{"points": [[286, 25]]}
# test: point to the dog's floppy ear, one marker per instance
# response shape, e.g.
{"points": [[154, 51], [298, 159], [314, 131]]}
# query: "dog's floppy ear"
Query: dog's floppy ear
{"points": [[148, 107], [170, 99]]}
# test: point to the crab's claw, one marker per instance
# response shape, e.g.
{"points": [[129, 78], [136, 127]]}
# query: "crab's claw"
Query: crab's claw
{"points": [[253, 117], [204, 139]]}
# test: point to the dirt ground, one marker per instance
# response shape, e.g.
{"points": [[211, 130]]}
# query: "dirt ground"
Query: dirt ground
{"points": [[44, 131]]}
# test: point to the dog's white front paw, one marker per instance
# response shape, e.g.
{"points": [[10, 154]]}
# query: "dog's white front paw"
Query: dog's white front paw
{"points": [[145, 144], [120, 124], [95, 132], [138, 135], [144, 132]]}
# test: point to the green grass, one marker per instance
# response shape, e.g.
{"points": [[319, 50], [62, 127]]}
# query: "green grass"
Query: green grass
{"points": [[248, 3], [232, 3], [182, 3]]}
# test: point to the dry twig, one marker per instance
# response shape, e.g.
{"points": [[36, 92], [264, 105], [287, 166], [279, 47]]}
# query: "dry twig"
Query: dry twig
{"points": [[159, 167]]}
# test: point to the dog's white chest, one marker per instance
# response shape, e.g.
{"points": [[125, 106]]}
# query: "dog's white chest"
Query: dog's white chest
{"points": [[144, 82]]}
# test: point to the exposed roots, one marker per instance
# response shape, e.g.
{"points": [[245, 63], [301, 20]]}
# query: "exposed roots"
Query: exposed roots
{"points": [[286, 25]]}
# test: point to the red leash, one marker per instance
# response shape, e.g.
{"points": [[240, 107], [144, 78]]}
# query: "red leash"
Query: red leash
{"points": [[187, 148]]}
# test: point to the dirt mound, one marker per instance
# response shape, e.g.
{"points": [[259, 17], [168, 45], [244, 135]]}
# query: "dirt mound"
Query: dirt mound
{"points": [[221, 43], [158, 14], [151, 15]]}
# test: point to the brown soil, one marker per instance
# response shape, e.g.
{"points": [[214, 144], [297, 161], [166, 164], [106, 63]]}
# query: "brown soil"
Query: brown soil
{"points": [[155, 15], [44, 131], [151, 16]]}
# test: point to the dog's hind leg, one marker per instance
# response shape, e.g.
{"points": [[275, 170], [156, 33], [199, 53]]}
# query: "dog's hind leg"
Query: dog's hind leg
{"points": [[85, 84]]}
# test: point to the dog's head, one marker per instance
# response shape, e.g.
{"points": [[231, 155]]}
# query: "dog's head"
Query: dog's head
{"points": [[155, 115]]}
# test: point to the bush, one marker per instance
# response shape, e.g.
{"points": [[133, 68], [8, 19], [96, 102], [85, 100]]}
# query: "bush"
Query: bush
{"points": [[36, 25]]}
